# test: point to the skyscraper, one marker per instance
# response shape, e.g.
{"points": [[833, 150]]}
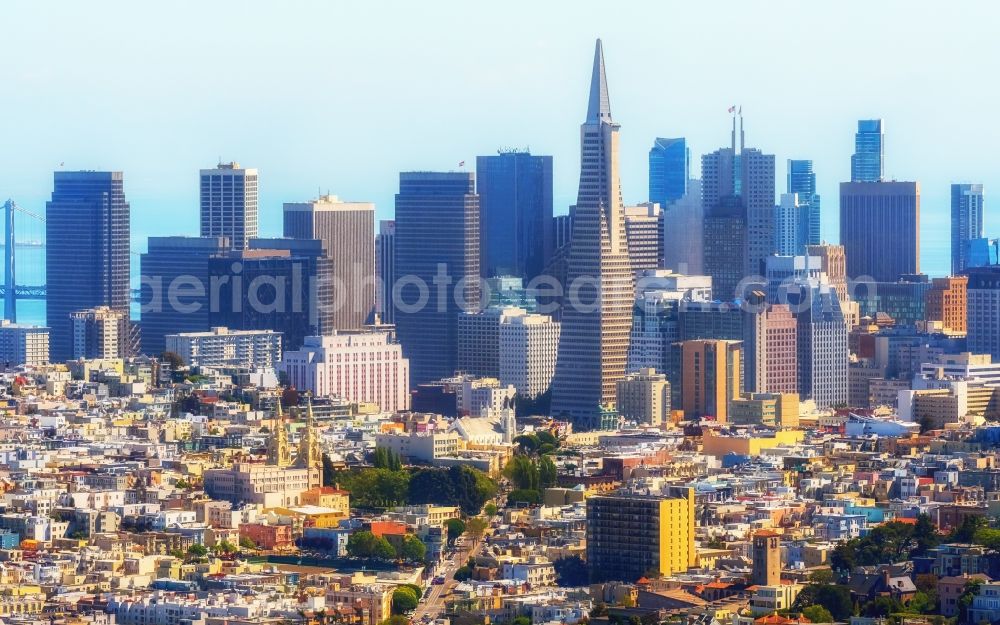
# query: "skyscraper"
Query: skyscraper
{"points": [[172, 300], [515, 214], [791, 225], [100, 332], [880, 229], [822, 347], [669, 170], [867, 162], [437, 231], [597, 317], [347, 230], [737, 184], [283, 285], [385, 269], [711, 377], [87, 251], [683, 240], [966, 222], [802, 181], [229, 203], [983, 310], [644, 235]]}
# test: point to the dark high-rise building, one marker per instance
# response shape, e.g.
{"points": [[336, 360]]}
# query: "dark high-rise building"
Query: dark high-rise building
{"points": [[880, 229], [983, 311], [175, 293], [868, 160], [437, 233], [385, 269], [229, 203], [515, 214], [966, 222], [87, 251], [597, 316], [347, 230], [669, 170], [562, 231], [724, 246], [802, 182], [737, 184], [283, 285], [903, 299]]}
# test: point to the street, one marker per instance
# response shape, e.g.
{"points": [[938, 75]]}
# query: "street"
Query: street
{"points": [[433, 605]]}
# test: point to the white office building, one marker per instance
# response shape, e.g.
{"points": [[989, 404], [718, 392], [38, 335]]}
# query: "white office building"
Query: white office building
{"points": [[222, 347], [22, 344], [100, 332], [528, 348], [229, 203], [357, 366]]}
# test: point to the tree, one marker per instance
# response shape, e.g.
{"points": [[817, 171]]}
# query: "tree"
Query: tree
{"points": [[490, 510], [247, 543], [289, 397], [527, 442], [404, 600], [412, 549], [521, 620], [173, 359], [969, 591], [396, 619], [966, 531], [387, 459], [547, 438], [546, 472], [455, 527], [817, 614], [226, 547], [329, 472], [476, 526], [532, 497], [364, 544], [834, 597], [822, 576], [571, 571], [198, 551], [522, 472], [463, 573]]}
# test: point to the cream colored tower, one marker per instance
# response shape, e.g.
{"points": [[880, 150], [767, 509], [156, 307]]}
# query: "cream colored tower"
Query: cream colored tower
{"points": [[597, 306], [278, 453]]}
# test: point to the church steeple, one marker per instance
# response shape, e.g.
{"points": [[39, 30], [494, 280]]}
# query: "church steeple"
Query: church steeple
{"points": [[599, 107], [277, 448], [310, 455]]}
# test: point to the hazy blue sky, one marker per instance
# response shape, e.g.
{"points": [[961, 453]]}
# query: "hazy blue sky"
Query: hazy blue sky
{"points": [[342, 96]]}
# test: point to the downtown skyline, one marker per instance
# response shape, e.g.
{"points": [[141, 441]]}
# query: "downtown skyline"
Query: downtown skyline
{"points": [[304, 93]]}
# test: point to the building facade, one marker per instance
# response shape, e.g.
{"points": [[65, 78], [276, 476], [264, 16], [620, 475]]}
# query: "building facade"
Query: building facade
{"points": [[644, 397], [357, 366], [222, 347], [945, 304], [711, 377], [437, 228], [175, 291], [22, 344], [515, 214], [880, 229], [802, 182], [347, 230], [669, 170], [967, 215], [593, 347], [630, 536], [528, 348], [229, 203], [87, 257], [983, 307], [385, 269], [100, 332], [868, 160], [644, 235]]}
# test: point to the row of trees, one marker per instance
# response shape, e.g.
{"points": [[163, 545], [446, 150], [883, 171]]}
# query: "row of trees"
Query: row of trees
{"points": [[886, 544], [529, 476], [389, 484], [364, 544]]}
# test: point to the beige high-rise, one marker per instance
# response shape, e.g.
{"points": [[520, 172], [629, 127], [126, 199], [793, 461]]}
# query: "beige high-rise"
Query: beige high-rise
{"points": [[347, 230], [597, 307]]}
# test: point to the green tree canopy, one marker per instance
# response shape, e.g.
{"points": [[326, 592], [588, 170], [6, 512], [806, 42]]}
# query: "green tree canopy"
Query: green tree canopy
{"points": [[455, 527], [412, 549], [817, 614], [404, 600]]}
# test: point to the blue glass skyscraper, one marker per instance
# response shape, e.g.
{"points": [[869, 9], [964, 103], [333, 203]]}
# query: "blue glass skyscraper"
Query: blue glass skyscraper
{"points": [[869, 152], [669, 170], [515, 219], [966, 222], [802, 180]]}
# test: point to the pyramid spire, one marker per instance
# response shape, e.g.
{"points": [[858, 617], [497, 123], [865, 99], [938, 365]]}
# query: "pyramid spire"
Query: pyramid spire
{"points": [[599, 108]]}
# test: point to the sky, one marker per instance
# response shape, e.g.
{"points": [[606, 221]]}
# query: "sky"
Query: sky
{"points": [[342, 96]]}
